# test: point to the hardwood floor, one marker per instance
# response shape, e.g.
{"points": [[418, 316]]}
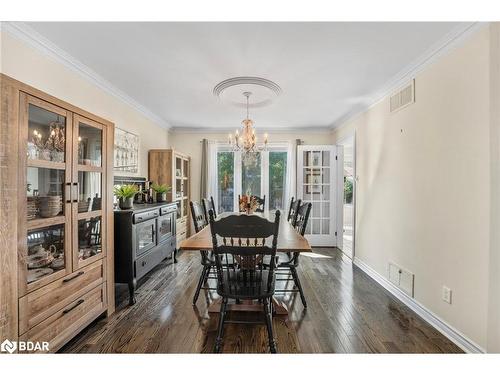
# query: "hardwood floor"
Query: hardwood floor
{"points": [[347, 313]]}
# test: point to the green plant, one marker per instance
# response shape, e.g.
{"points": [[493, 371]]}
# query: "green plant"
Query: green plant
{"points": [[160, 189], [125, 191]]}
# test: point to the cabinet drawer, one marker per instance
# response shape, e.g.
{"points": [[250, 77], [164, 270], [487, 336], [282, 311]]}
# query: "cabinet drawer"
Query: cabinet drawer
{"points": [[42, 303], [146, 263], [66, 322]]}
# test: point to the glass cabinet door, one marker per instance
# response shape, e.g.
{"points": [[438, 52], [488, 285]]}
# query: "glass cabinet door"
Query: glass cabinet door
{"points": [[87, 190], [47, 181]]}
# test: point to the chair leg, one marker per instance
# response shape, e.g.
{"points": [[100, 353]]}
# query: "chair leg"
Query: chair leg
{"points": [[200, 284], [296, 280], [269, 324], [220, 328]]}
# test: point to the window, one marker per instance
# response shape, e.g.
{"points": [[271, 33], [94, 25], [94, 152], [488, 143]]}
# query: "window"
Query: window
{"points": [[268, 174], [277, 180], [225, 181]]}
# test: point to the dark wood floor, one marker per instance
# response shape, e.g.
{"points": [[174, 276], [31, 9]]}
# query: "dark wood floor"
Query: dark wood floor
{"points": [[347, 313]]}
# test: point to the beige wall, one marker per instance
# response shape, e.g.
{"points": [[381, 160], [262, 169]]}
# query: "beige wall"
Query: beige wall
{"points": [[29, 65], [423, 195], [190, 144]]}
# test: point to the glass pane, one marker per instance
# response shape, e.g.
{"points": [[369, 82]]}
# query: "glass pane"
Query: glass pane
{"points": [[251, 174], [178, 209], [326, 158], [326, 227], [45, 252], [185, 207], [307, 158], [277, 180], [316, 210], [316, 158], [46, 135], [44, 190], [313, 181], [185, 168], [89, 237], [326, 192], [308, 227], [326, 209], [316, 226], [90, 145], [178, 188], [145, 236], [165, 225], [178, 167], [89, 191], [225, 181], [326, 175]]}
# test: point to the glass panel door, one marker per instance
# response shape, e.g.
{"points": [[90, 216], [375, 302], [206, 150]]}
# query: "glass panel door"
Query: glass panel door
{"points": [[87, 191], [225, 181], [316, 175], [44, 127]]}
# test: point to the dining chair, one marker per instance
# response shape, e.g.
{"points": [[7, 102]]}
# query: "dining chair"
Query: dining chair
{"points": [[200, 222], [292, 211], [292, 260], [208, 205], [260, 201], [240, 243]]}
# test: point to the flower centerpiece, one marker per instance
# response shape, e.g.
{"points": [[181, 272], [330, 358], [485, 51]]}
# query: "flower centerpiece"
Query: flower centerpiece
{"points": [[248, 204]]}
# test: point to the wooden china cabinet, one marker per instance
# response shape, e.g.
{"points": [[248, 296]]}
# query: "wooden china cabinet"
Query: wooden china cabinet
{"points": [[56, 196], [173, 168]]}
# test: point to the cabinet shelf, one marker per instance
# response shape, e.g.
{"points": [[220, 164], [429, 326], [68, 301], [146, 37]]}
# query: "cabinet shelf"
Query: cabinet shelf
{"points": [[45, 222], [35, 163]]}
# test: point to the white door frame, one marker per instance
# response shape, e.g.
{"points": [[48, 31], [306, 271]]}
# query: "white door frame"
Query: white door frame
{"points": [[329, 240], [340, 210]]}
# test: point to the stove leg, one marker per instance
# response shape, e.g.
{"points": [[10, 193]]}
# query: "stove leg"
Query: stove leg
{"points": [[131, 290]]}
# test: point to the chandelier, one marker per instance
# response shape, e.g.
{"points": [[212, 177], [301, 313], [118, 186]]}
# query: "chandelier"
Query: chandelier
{"points": [[246, 142]]}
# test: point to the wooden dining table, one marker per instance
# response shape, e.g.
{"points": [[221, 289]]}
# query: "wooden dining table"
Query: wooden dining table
{"points": [[289, 241]]}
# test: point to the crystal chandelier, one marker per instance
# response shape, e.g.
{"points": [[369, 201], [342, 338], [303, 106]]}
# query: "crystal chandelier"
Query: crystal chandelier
{"points": [[247, 141]]}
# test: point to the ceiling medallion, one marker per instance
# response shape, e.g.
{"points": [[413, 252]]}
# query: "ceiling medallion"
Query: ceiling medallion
{"points": [[230, 91]]}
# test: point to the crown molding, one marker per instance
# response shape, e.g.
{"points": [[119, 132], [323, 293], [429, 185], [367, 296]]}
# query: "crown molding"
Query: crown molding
{"points": [[31, 37], [226, 130], [453, 39]]}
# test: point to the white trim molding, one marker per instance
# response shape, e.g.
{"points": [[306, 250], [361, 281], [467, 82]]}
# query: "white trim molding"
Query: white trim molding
{"points": [[32, 38], [453, 39], [446, 329]]}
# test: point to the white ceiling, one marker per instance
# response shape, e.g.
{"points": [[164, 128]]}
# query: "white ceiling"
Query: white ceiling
{"points": [[324, 69]]}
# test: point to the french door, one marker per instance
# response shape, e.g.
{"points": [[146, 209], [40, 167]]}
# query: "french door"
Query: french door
{"points": [[316, 183]]}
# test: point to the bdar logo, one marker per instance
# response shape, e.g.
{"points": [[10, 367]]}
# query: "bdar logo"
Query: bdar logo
{"points": [[8, 346]]}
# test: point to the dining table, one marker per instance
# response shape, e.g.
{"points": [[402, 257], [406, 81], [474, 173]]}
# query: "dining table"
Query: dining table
{"points": [[289, 241]]}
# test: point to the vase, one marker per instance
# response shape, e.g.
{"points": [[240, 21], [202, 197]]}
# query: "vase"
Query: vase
{"points": [[126, 203], [161, 197]]}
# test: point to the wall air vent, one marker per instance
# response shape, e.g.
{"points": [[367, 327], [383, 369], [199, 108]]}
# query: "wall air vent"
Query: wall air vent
{"points": [[404, 97]]}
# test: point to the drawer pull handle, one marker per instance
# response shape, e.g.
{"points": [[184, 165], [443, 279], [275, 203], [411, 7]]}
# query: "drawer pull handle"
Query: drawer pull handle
{"points": [[73, 307], [73, 277], [144, 263]]}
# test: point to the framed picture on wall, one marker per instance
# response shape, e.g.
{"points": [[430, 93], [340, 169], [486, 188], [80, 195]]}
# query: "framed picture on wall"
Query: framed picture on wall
{"points": [[314, 179], [126, 151]]}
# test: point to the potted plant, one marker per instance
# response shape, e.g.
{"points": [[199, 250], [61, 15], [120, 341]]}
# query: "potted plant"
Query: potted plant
{"points": [[161, 192], [125, 195]]}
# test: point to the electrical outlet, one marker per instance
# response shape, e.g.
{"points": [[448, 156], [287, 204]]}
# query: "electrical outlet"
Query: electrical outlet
{"points": [[446, 295]]}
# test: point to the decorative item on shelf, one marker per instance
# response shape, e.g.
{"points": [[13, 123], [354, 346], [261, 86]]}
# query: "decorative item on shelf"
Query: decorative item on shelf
{"points": [[41, 257], [87, 252], [248, 204], [83, 206], [38, 273], [247, 141], [161, 192], [125, 195], [50, 206], [57, 263], [178, 173]]}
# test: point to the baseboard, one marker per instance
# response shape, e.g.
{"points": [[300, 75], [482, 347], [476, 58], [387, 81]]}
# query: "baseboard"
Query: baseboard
{"points": [[450, 332]]}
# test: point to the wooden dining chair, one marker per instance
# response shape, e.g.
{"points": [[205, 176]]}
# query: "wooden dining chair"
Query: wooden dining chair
{"points": [[260, 201], [291, 261], [207, 261], [240, 243], [292, 211], [209, 205]]}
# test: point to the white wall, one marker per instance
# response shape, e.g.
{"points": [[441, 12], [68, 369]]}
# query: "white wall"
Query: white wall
{"points": [[31, 66], [190, 143], [423, 194]]}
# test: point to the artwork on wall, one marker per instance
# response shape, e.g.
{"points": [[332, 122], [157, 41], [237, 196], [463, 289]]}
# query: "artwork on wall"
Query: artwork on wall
{"points": [[126, 151]]}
